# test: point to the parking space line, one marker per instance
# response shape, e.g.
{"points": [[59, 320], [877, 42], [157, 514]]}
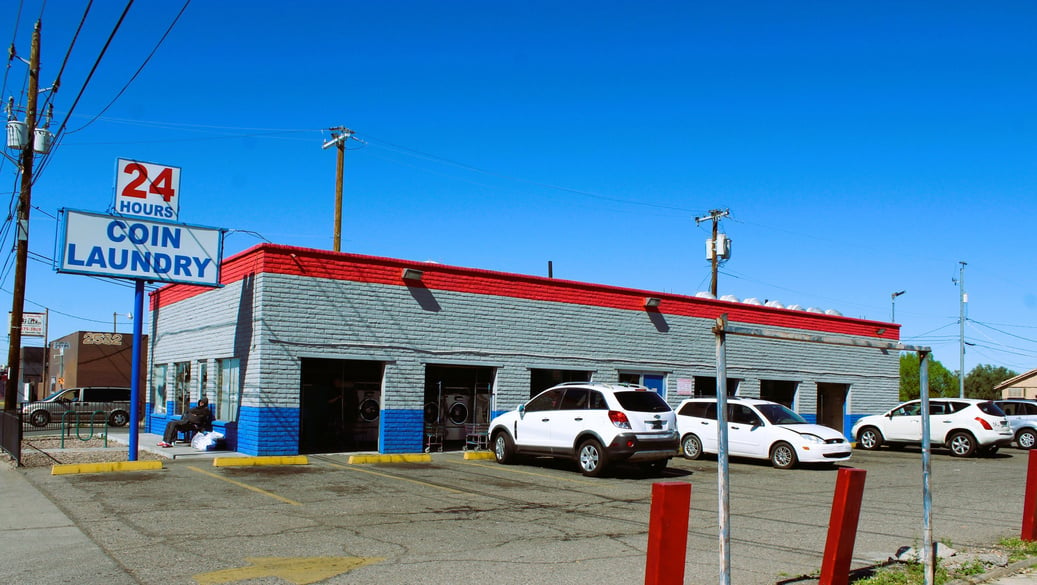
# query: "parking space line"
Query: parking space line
{"points": [[422, 483], [244, 485], [511, 469]]}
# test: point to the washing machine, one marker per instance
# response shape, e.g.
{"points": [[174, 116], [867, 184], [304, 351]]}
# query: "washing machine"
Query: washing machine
{"points": [[456, 414], [367, 412]]}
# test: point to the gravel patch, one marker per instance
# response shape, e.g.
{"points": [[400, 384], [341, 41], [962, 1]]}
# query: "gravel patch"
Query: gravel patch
{"points": [[46, 451]]}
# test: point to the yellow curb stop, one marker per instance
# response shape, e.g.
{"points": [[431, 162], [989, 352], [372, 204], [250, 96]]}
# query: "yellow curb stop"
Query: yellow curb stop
{"points": [[72, 468], [262, 460], [404, 458]]}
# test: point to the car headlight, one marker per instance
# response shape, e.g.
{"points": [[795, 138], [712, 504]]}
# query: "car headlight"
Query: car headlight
{"points": [[812, 438]]}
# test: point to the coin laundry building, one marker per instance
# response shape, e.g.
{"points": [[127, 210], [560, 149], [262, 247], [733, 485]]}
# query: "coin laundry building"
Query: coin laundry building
{"points": [[311, 351]]}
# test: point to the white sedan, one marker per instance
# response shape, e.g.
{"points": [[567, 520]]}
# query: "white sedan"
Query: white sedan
{"points": [[759, 429]]}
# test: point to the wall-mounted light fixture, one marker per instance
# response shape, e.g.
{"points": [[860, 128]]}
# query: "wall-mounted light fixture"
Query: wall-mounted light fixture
{"points": [[412, 274], [880, 331], [652, 302]]}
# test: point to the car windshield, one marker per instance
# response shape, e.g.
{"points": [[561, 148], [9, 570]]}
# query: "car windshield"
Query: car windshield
{"points": [[780, 415], [642, 401], [52, 397]]}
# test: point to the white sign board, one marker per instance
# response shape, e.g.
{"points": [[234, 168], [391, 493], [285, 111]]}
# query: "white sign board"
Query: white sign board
{"points": [[147, 190], [33, 324], [121, 247]]}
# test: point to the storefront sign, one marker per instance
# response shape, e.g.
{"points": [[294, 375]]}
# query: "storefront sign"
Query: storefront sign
{"points": [[121, 247]]}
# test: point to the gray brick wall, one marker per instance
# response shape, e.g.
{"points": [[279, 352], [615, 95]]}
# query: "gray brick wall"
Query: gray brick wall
{"points": [[271, 321]]}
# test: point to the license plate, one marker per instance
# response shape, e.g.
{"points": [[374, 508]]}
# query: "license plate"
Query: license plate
{"points": [[655, 425]]}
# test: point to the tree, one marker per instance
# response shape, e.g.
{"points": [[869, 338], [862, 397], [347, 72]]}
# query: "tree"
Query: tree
{"points": [[980, 382], [942, 382]]}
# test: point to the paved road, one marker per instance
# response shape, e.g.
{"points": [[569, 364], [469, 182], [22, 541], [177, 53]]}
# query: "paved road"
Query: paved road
{"points": [[459, 521]]}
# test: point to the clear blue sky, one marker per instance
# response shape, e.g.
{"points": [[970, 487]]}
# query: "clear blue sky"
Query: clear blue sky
{"points": [[861, 147]]}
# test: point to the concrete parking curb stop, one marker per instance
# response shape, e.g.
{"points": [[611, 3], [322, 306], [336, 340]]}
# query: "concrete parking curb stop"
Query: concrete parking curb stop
{"points": [[478, 455], [261, 460], [72, 468], [400, 458]]}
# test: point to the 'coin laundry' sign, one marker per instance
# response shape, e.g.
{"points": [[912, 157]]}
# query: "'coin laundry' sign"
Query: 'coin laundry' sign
{"points": [[125, 247]]}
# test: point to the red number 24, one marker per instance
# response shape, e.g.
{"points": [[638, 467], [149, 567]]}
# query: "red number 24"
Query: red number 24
{"points": [[162, 185]]}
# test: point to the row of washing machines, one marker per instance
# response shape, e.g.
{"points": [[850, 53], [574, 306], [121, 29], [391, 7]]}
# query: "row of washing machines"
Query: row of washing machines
{"points": [[456, 412]]}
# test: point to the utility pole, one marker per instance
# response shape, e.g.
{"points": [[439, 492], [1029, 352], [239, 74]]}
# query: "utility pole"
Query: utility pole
{"points": [[339, 136], [713, 253], [14, 352], [963, 297]]}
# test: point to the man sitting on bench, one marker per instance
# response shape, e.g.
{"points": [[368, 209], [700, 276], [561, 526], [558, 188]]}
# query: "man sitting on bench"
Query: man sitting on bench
{"points": [[197, 418]]}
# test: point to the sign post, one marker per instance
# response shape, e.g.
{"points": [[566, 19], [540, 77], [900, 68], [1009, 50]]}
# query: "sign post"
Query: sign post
{"points": [[142, 241]]}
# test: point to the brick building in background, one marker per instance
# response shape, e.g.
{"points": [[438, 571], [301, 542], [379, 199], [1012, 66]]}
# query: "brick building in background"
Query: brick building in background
{"points": [[92, 358]]}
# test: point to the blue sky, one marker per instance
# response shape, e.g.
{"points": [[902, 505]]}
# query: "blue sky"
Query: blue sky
{"points": [[862, 148]]}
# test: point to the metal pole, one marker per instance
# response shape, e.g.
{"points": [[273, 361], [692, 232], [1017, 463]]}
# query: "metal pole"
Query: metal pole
{"points": [[14, 351], [135, 398], [928, 552], [723, 469], [964, 298]]}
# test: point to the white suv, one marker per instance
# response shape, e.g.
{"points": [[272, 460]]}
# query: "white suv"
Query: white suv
{"points": [[595, 424], [966, 426]]}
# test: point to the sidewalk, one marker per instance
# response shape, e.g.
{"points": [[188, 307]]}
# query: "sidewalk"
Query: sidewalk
{"points": [[149, 442], [42, 545]]}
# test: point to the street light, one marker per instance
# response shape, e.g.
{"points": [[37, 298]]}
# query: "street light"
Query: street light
{"points": [[115, 321], [893, 305]]}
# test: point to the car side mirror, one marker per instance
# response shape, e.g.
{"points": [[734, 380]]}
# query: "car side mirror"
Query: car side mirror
{"points": [[756, 422], [522, 410]]}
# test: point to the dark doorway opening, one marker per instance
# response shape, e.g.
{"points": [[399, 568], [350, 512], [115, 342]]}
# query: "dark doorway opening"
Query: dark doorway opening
{"points": [[780, 391], [707, 386], [457, 406], [340, 404], [831, 404]]}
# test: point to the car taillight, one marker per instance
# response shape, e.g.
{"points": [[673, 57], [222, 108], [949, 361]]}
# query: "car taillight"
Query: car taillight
{"points": [[619, 419], [982, 421]]}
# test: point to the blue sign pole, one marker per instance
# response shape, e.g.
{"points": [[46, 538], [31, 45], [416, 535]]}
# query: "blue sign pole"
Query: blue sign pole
{"points": [[135, 398]]}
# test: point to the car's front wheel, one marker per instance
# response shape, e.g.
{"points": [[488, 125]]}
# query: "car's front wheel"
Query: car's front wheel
{"points": [[961, 444], [691, 446], [783, 456], [503, 448], [1026, 439], [591, 458], [869, 438]]}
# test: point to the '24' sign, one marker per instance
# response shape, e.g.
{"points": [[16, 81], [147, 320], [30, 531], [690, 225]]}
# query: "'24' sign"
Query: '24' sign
{"points": [[147, 189]]}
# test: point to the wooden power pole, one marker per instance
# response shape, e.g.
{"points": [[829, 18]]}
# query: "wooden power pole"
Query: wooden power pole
{"points": [[339, 136], [14, 351]]}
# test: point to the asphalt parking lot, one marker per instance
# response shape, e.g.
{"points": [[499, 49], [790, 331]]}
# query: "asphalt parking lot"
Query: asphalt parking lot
{"points": [[474, 521]]}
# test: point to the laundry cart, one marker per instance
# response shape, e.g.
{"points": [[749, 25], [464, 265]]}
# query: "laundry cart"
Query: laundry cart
{"points": [[476, 437]]}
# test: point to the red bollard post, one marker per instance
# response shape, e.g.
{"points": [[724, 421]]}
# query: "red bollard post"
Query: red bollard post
{"points": [[1029, 532], [668, 533], [842, 527]]}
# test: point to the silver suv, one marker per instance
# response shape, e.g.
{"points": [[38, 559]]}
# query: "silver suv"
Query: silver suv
{"points": [[111, 403], [595, 424], [1022, 416]]}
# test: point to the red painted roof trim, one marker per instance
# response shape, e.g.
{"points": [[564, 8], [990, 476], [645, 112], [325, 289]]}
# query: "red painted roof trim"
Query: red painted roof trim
{"points": [[279, 259]]}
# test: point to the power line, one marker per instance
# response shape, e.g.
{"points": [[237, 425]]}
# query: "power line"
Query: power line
{"points": [[138, 71]]}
